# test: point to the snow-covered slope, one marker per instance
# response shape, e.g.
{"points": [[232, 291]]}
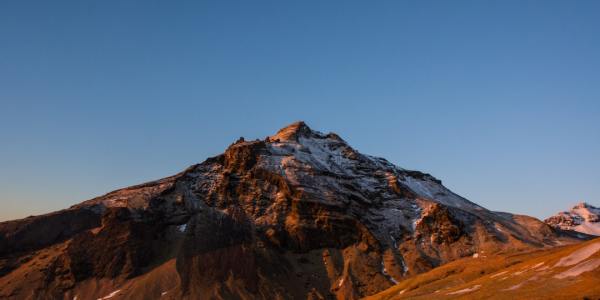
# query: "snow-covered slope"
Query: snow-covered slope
{"points": [[583, 218]]}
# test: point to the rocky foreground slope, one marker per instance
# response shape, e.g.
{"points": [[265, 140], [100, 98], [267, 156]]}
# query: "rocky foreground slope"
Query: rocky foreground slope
{"points": [[583, 218], [298, 215], [566, 272]]}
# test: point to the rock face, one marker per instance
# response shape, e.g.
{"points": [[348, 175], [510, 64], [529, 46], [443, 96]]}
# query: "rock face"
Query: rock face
{"points": [[299, 215], [583, 218]]}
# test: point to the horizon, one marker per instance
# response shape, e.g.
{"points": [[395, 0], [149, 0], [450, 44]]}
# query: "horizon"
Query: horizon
{"points": [[500, 102]]}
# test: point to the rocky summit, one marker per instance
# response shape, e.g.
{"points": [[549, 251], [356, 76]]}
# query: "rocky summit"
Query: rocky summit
{"points": [[298, 215]]}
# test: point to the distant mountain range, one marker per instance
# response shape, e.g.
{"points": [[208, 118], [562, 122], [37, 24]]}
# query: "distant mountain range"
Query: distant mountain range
{"points": [[297, 215]]}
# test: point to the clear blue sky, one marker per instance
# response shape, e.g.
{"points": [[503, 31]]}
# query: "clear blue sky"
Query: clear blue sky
{"points": [[499, 99]]}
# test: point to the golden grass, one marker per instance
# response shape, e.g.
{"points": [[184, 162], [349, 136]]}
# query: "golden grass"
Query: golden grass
{"points": [[529, 275]]}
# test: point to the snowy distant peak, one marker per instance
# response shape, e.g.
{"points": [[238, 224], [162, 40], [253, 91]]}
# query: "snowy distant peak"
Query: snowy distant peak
{"points": [[583, 217], [587, 212], [586, 206]]}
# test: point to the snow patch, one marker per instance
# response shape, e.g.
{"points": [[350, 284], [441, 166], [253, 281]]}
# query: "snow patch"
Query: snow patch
{"points": [[110, 295], [497, 226], [580, 268], [588, 227], [385, 273], [579, 255], [404, 266], [538, 265], [432, 190], [498, 274], [341, 281], [543, 268], [464, 291], [514, 287]]}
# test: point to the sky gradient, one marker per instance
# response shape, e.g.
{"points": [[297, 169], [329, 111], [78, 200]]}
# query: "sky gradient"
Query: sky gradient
{"points": [[498, 99]]}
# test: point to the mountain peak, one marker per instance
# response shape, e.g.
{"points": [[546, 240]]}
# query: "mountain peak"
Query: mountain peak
{"points": [[583, 217], [583, 205], [292, 132]]}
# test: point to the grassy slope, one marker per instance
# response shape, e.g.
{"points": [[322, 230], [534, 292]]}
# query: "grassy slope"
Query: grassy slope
{"points": [[511, 276]]}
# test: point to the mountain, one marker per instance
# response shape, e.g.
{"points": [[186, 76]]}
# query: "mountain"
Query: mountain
{"points": [[566, 272], [298, 215], [582, 218]]}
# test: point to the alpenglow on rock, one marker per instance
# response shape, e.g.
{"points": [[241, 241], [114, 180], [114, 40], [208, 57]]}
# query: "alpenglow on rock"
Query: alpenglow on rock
{"points": [[583, 218], [300, 214]]}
